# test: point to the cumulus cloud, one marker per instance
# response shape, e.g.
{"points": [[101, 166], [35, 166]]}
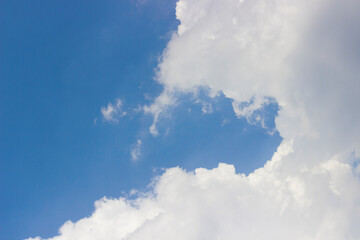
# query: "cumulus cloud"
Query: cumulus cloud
{"points": [[112, 112], [305, 56], [317, 203]]}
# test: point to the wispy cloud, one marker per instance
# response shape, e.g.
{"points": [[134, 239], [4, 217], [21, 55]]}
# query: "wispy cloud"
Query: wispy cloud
{"points": [[158, 109], [113, 111], [135, 150], [206, 107]]}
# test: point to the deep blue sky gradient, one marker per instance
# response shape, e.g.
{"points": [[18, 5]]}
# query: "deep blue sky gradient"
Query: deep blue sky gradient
{"points": [[60, 62]]}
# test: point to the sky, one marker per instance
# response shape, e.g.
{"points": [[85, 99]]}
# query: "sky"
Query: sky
{"points": [[61, 65], [183, 119]]}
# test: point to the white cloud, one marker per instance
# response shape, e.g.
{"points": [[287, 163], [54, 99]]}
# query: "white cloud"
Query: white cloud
{"points": [[271, 203], [303, 54], [112, 112], [135, 150], [158, 109]]}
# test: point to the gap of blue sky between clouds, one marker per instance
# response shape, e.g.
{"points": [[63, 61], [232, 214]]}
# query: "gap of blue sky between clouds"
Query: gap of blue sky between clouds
{"points": [[262, 118]]}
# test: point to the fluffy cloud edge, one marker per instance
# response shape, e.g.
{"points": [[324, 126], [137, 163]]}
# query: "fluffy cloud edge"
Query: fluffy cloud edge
{"points": [[311, 203]]}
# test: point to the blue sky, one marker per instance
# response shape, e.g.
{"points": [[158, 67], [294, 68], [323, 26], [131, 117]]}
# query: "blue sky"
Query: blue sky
{"points": [[60, 63]]}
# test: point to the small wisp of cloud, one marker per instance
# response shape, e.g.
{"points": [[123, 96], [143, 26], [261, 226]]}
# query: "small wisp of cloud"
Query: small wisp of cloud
{"points": [[206, 108], [135, 150], [113, 111]]}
